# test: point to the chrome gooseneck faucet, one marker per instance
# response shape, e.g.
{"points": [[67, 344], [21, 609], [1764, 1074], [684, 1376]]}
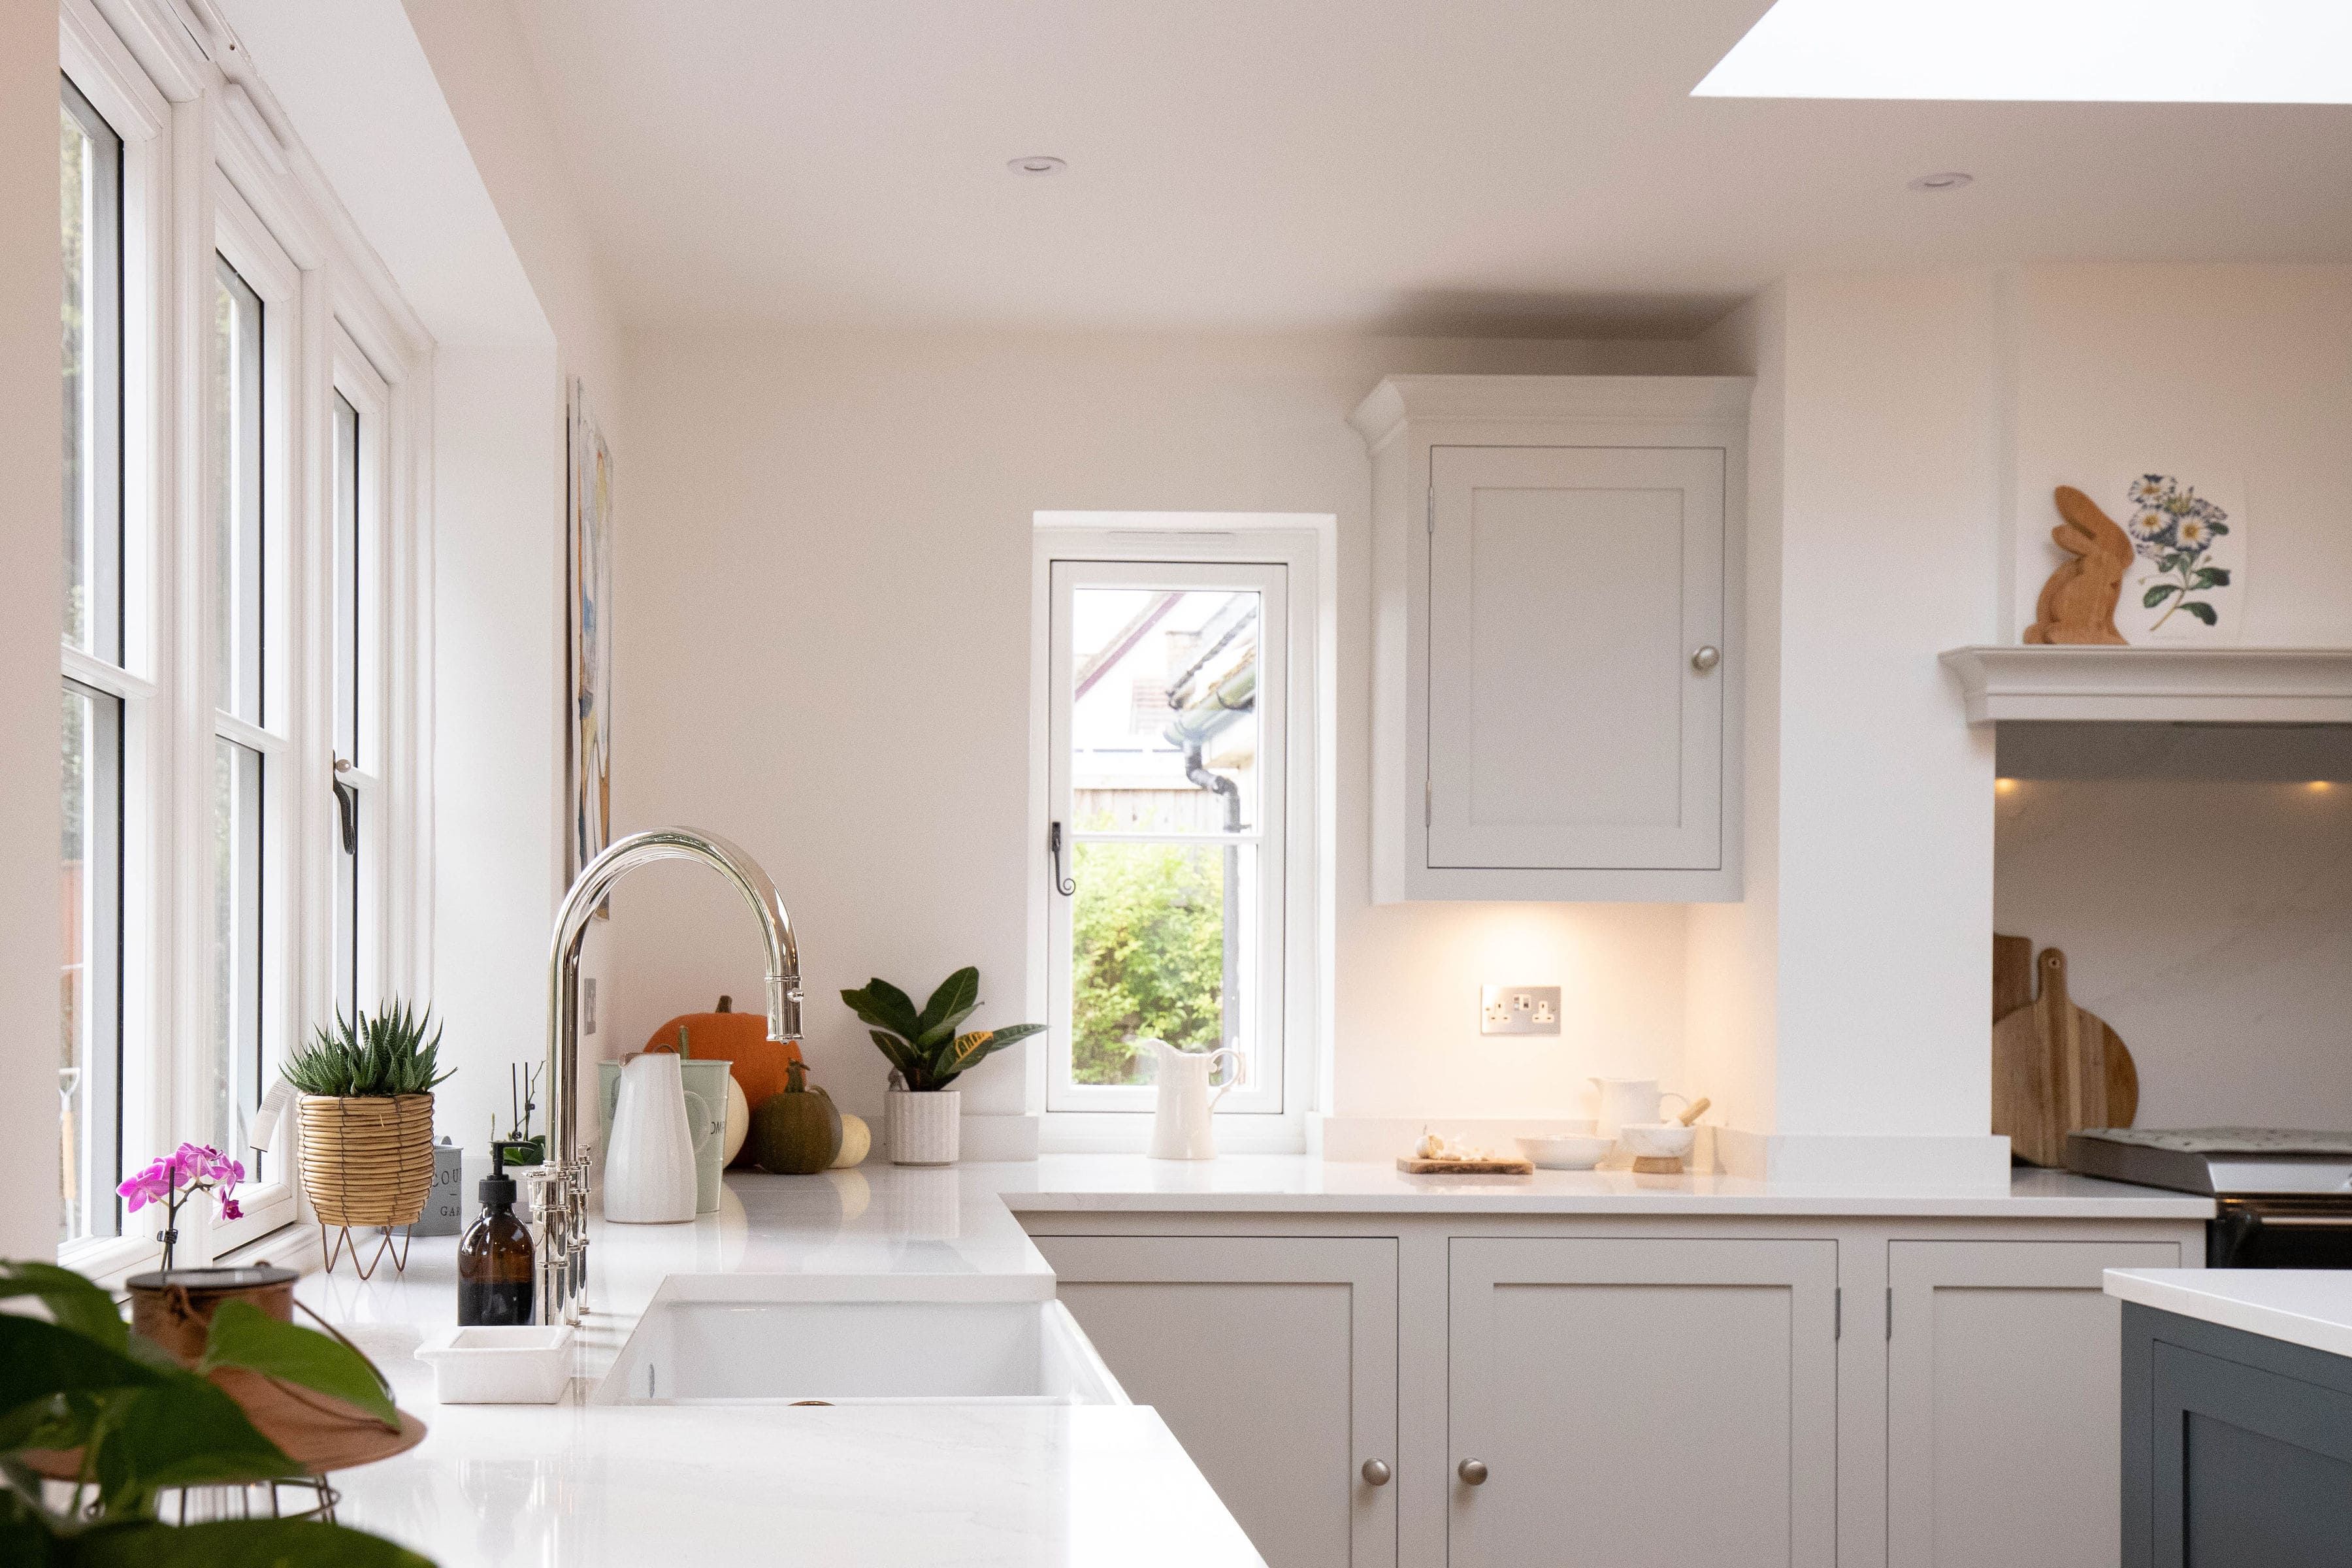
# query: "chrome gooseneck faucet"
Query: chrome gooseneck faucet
{"points": [[560, 1186]]}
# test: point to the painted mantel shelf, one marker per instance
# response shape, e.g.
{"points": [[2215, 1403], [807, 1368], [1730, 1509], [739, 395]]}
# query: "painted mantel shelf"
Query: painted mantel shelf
{"points": [[2156, 685]]}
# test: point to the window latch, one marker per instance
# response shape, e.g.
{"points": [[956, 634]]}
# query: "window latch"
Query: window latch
{"points": [[1066, 886], [347, 805]]}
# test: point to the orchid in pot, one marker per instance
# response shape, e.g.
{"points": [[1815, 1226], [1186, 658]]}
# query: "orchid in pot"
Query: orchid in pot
{"points": [[175, 1180]]}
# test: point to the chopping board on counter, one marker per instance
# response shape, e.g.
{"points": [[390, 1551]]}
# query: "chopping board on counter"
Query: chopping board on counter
{"points": [[2056, 1068]]}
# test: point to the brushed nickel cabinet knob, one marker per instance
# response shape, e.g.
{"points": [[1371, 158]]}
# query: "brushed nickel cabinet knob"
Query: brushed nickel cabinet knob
{"points": [[1376, 1472], [1706, 658], [1472, 1471]]}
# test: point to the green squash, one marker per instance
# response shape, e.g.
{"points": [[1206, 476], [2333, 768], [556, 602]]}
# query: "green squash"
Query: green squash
{"points": [[798, 1131]]}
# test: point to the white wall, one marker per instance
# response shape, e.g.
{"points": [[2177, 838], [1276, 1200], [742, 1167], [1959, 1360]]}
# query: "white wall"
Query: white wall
{"points": [[498, 685], [30, 438], [2242, 370], [823, 651], [500, 866]]}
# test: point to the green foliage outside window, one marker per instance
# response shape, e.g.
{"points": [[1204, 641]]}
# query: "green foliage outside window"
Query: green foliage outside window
{"points": [[1148, 930]]}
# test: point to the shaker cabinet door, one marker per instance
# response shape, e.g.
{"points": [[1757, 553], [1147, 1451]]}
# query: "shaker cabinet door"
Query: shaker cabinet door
{"points": [[2002, 1385], [1576, 657], [1272, 1359], [1643, 1403]]}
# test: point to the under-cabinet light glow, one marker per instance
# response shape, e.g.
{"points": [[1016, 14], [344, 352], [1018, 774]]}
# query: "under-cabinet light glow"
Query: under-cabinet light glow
{"points": [[2112, 51]]}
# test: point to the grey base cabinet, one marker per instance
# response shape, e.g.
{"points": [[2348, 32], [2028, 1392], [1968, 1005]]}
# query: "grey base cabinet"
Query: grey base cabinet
{"points": [[1642, 1402], [1633, 1391], [1272, 1359], [2237, 1449], [2001, 1386]]}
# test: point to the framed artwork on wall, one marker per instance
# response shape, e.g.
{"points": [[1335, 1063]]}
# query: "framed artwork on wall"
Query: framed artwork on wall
{"points": [[588, 706]]}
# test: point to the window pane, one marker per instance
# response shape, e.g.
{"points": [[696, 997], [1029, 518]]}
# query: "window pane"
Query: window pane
{"points": [[1164, 946], [347, 570], [236, 1077], [236, 472], [91, 165], [1164, 726], [89, 1065]]}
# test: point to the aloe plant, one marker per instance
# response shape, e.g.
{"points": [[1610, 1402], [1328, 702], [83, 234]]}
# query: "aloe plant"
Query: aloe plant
{"points": [[370, 1057], [922, 1046]]}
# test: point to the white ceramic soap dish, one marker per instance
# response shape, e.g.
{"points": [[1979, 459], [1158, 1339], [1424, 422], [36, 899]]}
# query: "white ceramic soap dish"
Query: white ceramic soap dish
{"points": [[520, 1364]]}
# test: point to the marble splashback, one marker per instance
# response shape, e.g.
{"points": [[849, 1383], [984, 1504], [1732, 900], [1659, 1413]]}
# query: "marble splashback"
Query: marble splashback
{"points": [[2206, 911]]}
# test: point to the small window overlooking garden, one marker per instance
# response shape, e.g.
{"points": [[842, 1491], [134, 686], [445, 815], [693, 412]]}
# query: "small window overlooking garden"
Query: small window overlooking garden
{"points": [[1169, 688]]}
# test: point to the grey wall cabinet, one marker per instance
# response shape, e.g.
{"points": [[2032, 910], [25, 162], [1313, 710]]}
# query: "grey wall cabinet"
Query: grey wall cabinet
{"points": [[1556, 652]]}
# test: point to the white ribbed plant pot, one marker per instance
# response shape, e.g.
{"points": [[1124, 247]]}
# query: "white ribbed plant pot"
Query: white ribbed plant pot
{"points": [[924, 1129]]}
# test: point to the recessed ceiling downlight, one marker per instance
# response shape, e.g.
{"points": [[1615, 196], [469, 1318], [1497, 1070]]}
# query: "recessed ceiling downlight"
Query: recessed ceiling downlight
{"points": [[1037, 166], [1950, 180]]}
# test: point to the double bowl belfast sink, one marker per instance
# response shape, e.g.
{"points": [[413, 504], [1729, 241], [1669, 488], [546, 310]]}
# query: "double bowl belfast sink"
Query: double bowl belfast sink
{"points": [[745, 1340]]}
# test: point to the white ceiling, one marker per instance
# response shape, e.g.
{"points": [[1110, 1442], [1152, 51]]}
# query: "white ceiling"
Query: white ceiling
{"points": [[1488, 166]]}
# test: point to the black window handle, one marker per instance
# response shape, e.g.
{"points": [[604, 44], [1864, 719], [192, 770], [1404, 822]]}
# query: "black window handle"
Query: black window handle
{"points": [[1062, 885]]}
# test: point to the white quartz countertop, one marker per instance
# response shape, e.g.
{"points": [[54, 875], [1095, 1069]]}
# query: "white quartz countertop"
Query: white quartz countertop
{"points": [[586, 1484], [2309, 1307], [1244, 1183]]}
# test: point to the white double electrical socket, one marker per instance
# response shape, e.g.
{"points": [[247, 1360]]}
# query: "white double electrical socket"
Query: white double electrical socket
{"points": [[1519, 1009]]}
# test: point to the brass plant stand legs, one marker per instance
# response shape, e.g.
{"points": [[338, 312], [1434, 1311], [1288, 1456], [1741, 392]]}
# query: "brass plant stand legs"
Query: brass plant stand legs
{"points": [[344, 1243]]}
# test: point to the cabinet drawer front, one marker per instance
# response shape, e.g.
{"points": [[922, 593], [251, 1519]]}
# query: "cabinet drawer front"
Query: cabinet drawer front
{"points": [[2002, 1385], [1569, 725], [1643, 1401], [1274, 1359]]}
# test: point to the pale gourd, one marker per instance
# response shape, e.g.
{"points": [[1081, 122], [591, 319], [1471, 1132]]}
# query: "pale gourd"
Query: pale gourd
{"points": [[856, 1141]]}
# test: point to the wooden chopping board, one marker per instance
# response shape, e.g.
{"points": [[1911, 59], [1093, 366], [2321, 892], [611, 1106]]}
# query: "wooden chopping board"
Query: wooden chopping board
{"points": [[2055, 1067]]}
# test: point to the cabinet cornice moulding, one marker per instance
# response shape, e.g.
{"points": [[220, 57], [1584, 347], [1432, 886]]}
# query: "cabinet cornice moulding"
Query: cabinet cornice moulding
{"points": [[2156, 685], [1535, 399]]}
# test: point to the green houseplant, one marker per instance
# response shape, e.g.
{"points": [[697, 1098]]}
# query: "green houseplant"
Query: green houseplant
{"points": [[926, 1055], [365, 1108], [83, 1392]]}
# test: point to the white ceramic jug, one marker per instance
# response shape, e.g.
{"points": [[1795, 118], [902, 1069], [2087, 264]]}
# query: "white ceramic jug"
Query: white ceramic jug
{"points": [[1180, 1129], [649, 1167], [1627, 1099]]}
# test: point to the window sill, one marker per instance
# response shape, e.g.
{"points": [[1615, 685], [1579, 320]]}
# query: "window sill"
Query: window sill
{"points": [[1130, 1132]]}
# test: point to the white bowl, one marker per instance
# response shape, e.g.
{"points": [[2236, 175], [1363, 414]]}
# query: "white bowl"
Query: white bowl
{"points": [[1658, 1140], [1565, 1151], [522, 1364]]}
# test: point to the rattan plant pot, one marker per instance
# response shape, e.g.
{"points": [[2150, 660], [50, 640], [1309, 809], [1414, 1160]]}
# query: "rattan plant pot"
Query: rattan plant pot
{"points": [[367, 1161]]}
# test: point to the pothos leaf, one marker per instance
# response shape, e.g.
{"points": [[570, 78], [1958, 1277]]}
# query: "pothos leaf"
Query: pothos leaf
{"points": [[239, 1543], [72, 1300], [242, 1335]]}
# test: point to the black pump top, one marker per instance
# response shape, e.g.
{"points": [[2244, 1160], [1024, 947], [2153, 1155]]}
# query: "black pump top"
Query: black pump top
{"points": [[496, 1190]]}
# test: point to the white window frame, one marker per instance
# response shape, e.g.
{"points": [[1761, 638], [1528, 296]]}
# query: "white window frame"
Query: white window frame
{"points": [[206, 168], [1277, 1117]]}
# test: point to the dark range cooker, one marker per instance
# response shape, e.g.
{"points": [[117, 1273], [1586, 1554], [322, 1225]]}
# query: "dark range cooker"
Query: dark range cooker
{"points": [[2285, 1198]]}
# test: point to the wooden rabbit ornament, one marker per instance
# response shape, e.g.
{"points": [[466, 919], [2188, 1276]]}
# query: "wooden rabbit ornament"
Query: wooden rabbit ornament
{"points": [[2078, 603]]}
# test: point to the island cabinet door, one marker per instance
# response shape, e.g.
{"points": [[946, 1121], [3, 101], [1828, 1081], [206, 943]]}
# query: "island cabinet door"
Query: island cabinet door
{"points": [[1274, 1361], [1576, 672], [1643, 1403], [2252, 1465], [2002, 1384]]}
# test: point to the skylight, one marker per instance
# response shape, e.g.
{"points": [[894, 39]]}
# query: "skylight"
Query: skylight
{"points": [[2123, 51]]}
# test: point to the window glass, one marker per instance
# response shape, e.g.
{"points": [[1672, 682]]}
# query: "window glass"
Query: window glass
{"points": [[237, 497], [91, 1047], [235, 1079], [1167, 930], [90, 1064], [350, 927]]}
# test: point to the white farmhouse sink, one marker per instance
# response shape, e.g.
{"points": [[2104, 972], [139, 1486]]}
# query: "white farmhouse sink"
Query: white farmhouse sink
{"points": [[858, 1352]]}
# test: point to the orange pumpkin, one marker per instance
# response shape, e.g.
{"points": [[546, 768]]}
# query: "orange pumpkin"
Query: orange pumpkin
{"points": [[757, 1063]]}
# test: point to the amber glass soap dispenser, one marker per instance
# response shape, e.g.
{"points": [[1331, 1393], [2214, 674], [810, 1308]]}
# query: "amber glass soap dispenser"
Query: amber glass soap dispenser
{"points": [[495, 1275]]}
